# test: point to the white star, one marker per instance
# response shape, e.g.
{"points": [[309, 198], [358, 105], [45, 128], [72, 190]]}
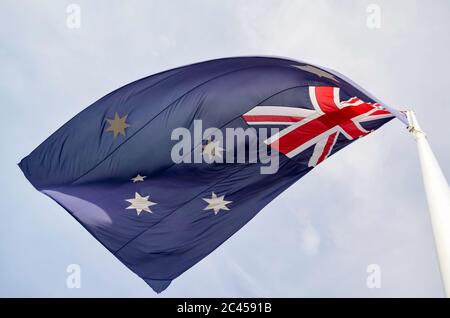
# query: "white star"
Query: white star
{"points": [[140, 203], [212, 149], [216, 203], [319, 72], [117, 125], [138, 178]]}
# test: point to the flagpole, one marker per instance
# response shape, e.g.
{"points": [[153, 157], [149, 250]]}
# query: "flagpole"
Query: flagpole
{"points": [[438, 197]]}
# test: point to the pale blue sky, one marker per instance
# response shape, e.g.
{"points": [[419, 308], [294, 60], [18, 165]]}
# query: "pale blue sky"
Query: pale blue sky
{"points": [[365, 205]]}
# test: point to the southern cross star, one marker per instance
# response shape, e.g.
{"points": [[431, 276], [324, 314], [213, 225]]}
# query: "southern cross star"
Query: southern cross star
{"points": [[216, 203], [140, 203], [138, 178], [117, 125], [318, 72]]}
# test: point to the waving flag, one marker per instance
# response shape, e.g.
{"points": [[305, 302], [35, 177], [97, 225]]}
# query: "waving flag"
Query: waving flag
{"points": [[112, 166]]}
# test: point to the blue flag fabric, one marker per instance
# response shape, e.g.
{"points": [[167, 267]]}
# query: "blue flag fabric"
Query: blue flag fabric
{"points": [[111, 166]]}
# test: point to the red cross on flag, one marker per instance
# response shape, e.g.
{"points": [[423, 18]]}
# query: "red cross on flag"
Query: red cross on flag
{"points": [[319, 127]]}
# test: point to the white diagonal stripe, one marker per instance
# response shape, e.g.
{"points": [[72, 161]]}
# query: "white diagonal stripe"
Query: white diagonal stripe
{"points": [[279, 111]]}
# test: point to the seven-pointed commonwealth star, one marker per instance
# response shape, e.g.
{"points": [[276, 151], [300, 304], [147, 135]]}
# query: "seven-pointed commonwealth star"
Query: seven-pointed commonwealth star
{"points": [[140, 203], [138, 178], [318, 72], [216, 203], [117, 125], [212, 149]]}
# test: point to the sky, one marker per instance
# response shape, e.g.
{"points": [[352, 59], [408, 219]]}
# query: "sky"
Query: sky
{"points": [[366, 205]]}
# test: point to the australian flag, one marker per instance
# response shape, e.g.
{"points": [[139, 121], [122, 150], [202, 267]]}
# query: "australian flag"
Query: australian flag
{"points": [[112, 166]]}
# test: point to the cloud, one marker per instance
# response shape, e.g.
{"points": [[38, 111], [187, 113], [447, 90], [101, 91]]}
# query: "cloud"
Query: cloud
{"points": [[310, 240]]}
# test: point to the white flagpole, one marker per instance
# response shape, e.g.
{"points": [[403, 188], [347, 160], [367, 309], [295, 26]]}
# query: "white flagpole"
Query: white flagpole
{"points": [[438, 197]]}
